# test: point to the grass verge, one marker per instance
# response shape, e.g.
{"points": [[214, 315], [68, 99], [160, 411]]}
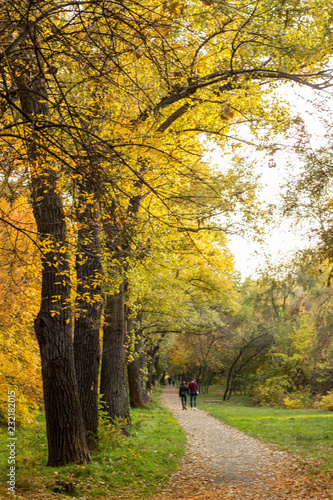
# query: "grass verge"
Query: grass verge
{"points": [[308, 433], [124, 467]]}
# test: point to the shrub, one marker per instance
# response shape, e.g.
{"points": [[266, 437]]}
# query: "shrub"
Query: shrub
{"points": [[273, 392], [326, 402], [296, 401], [111, 433]]}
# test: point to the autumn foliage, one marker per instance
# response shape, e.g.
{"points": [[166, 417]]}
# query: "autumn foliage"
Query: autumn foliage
{"points": [[19, 301]]}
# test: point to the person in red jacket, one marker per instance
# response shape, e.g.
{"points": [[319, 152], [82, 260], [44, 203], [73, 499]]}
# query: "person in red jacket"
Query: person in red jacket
{"points": [[193, 388]]}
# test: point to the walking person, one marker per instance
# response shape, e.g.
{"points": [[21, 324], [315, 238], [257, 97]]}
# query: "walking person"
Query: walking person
{"points": [[183, 392], [193, 388]]}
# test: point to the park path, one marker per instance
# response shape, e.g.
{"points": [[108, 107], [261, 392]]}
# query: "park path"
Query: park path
{"points": [[222, 462]]}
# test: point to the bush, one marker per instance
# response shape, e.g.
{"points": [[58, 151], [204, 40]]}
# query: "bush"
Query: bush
{"points": [[326, 402], [273, 392], [111, 434], [296, 401]]}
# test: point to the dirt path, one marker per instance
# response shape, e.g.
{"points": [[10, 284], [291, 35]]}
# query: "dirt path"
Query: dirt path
{"points": [[222, 462]]}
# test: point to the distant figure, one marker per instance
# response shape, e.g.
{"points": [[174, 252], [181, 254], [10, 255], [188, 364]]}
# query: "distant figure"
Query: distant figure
{"points": [[169, 379], [183, 392], [173, 380], [193, 388]]}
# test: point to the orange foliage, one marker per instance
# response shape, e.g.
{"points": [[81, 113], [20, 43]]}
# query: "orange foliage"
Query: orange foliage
{"points": [[19, 302]]}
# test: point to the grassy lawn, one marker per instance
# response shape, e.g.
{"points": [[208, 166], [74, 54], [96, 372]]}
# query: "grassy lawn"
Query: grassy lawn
{"points": [[308, 433], [134, 466]]}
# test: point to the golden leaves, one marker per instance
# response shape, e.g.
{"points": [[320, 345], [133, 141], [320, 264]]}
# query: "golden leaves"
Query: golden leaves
{"points": [[174, 8], [19, 302]]}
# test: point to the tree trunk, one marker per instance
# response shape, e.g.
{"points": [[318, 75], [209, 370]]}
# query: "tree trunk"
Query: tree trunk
{"points": [[153, 361], [155, 366], [149, 382], [139, 396], [88, 315], [113, 374], [151, 356], [228, 388], [65, 430], [64, 424], [162, 379]]}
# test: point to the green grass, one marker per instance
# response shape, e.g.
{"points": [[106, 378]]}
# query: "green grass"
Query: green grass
{"points": [[135, 466], [308, 433]]}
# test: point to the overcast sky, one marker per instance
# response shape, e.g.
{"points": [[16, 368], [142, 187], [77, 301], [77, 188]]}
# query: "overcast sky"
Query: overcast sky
{"points": [[282, 240]]}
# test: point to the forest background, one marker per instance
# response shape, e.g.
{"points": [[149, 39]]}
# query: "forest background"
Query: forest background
{"points": [[115, 265]]}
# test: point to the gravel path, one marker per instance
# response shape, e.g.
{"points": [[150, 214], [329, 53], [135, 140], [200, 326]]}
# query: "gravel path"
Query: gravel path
{"points": [[223, 462]]}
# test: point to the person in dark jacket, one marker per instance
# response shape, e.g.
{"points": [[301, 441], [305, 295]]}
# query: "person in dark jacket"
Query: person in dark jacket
{"points": [[183, 393]]}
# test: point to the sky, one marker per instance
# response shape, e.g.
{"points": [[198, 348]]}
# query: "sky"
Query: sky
{"points": [[283, 240], [279, 241]]}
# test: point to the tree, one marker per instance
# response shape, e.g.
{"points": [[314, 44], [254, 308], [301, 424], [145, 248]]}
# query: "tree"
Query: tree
{"points": [[136, 363], [88, 311], [65, 429], [309, 202], [251, 346], [294, 304]]}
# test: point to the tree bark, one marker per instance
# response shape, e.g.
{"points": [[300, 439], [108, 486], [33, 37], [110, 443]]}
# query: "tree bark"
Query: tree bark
{"points": [[88, 314], [113, 373], [153, 360], [64, 423], [139, 396], [154, 370]]}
